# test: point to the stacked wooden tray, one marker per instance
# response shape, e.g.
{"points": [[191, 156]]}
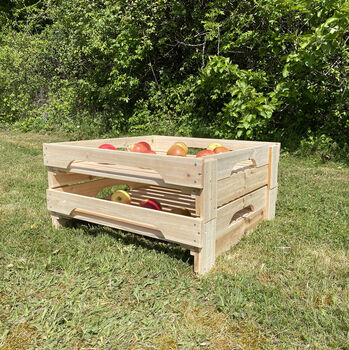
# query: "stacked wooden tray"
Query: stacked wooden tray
{"points": [[227, 194]]}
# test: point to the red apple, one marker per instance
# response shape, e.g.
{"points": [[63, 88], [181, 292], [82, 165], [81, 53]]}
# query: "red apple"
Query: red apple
{"points": [[150, 204], [150, 151], [176, 150], [107, 146], [220, 149], [204, 153], [146, 144], [139, 147]]}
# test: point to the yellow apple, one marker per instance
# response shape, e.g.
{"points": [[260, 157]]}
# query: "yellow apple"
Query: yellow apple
{"points": [[213, 145]]}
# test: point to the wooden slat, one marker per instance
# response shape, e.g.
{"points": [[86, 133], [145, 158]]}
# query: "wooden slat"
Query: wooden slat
{"points": [[241, 183], [58, 178], [91, 188], [227, 161], [174, 228], [163, 143], [173, 170], [257, 201], [123, 142], [164, 199], [238, 230], [167, 192]]}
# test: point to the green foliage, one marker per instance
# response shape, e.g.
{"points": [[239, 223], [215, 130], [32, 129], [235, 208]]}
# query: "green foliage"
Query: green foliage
{"points": [[253, 70]]}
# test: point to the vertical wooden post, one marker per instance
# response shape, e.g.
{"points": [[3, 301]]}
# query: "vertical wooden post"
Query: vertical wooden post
{"points": [[204, 258], [58, 221], [273, 162]]}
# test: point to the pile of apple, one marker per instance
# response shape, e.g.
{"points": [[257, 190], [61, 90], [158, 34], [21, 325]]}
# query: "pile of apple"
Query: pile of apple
{"points": [[180, 149], [140, 147]]}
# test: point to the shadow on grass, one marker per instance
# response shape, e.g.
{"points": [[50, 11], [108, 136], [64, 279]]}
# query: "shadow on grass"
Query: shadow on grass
{"points": [[128, 238]]}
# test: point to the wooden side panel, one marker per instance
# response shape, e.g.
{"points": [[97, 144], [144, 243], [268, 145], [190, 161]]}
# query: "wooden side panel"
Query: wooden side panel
{"points": [[241, 227], [173, 170], [241, 183], [173, 228], [225, 214]]}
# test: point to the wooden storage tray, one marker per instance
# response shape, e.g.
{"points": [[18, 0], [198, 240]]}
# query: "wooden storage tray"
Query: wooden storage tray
{"points": [[228, 194]]}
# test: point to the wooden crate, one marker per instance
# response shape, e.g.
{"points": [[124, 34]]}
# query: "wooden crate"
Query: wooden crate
{"points": [[228, 194]]}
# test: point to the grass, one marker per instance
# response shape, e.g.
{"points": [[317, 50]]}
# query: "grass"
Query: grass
{"points": [[90, 287]]}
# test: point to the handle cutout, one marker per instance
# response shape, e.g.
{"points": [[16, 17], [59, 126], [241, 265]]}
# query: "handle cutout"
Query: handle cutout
{"points": [[241, 214]]}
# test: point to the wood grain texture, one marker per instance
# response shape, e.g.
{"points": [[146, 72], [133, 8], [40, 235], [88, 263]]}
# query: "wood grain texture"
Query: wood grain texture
{"points": [[256, 200], [174, 228], [271, 203], [241, 183], [237, 231], [207, 202], [173, 170]]}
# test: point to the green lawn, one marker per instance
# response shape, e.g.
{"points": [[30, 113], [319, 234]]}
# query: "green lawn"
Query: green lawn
{"points": [[90, 287]]}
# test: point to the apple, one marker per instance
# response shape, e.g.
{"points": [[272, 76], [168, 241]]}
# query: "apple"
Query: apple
{"points": [[139, 147], [176, 150], [182, 144], [107, 146], [181, 211], [150, 151], [204, 153], [150, 204], [220, 149], [213, 145], [146, 144], [121, 196]]}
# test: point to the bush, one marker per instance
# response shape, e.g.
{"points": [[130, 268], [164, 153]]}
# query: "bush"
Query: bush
{"points": [[271, 70]]}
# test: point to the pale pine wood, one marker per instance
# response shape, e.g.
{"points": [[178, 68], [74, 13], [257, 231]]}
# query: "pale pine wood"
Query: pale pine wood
{"points": [[274, 154], [208, 196], [256, 200], [163, 143], [174, 170], [174, 228], [57, 178], [207, 202], [241, 183], [91, 188], [271, 203], [227, 161], [122, 142], [206, 257], [240, 228], [167, 199], [59, 221]]}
